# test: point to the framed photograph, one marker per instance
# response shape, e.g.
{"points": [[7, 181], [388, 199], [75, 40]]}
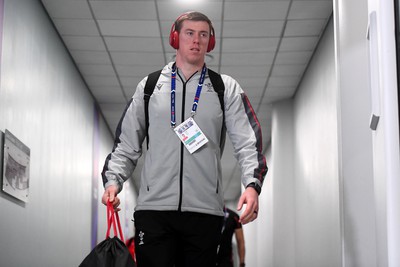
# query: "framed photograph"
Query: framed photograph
{"points": [[16, 158]]}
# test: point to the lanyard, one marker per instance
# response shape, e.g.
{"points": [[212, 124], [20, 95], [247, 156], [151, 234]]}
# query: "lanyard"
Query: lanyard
{"points": [[196, 97]]}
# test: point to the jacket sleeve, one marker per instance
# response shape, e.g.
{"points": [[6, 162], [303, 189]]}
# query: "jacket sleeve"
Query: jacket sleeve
{"points": [[129, 137], [244, 131]]}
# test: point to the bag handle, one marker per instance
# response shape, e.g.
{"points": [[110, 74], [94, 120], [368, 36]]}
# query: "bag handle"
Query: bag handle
{"points": [[113, 220]]}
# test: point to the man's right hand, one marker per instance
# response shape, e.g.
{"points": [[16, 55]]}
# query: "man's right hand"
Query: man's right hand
{"points": [[110, 194]]}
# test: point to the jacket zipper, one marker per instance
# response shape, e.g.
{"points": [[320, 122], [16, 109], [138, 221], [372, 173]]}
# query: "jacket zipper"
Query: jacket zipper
{"points": [[182, 146]]}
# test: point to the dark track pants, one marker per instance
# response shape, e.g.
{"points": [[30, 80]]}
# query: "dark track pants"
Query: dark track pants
{"points": [[180, 239], [226, 262]]}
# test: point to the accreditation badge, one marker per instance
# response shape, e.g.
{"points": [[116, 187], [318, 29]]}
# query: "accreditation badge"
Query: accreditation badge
{"points": [[191, 135]]}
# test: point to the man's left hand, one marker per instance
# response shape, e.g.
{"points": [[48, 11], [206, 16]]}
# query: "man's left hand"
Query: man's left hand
{"points": [[250, 198]]}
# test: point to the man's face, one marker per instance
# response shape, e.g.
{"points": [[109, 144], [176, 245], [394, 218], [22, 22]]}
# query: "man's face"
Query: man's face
{"points": [[193, 41]]}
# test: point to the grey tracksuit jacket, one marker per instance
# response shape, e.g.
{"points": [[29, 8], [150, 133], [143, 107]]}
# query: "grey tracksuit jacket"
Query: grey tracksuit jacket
{"points": [[172, 178]]}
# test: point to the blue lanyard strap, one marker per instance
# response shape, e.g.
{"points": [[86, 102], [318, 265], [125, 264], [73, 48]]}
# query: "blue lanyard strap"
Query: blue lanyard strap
{"points": [[196, 97], [198, 91]]}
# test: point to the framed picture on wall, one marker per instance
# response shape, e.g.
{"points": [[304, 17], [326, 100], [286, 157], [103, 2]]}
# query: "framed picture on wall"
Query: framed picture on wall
{"points": [[16, 159]]}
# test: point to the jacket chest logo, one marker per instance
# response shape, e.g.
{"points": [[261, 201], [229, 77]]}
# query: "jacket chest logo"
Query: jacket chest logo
{"points": [[209, 87]]}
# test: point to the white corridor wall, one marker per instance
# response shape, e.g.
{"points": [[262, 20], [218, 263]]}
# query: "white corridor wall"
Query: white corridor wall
{"points": [[324, 131], [45, 103], [302, 208]]}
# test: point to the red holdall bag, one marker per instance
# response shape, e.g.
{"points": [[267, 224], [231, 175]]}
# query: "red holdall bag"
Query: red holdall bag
{"points": [[112, 252]]}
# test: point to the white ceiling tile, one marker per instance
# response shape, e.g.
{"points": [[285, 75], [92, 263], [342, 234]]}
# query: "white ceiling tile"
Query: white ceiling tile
{"points": [[76, 27], [112, 112], [310, 10], [68, 9], [133, 44], [288, 70], [136, 28], [93, 43], [304, 27], [170, 12], [298, 43], [124, 10], [104, 81], [253, 93], [246, 59], [270, 10], [257, 83], [91, 57], [96, 69], [250, 44], [166, 27], [262, 28], [283, 81], [136, 70], [249, 71], [132, 81], [108, 94], [295, 57], [254, 98], [138, 58]]}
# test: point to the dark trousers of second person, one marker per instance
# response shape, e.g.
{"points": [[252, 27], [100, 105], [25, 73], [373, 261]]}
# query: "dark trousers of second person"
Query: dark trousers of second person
{"points": [[176, 239]]}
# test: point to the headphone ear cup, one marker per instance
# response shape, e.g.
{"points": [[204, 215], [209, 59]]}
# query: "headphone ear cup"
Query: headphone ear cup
{"points": [[174, 39], [211, 43]]}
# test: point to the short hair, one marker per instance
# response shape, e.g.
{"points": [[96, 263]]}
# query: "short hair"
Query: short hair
{"points": [[194, 16]]}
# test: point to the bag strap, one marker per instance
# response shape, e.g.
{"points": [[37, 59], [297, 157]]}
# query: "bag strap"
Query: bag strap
{"points": [[148, 91], [113, 220], [219, 87]]}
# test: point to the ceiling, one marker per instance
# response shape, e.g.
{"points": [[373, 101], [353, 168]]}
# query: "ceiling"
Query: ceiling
{"points": [[265, 45]]}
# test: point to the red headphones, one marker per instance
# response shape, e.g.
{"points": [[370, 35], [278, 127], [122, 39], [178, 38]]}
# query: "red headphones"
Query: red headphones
{"points": [[174, 36]]}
